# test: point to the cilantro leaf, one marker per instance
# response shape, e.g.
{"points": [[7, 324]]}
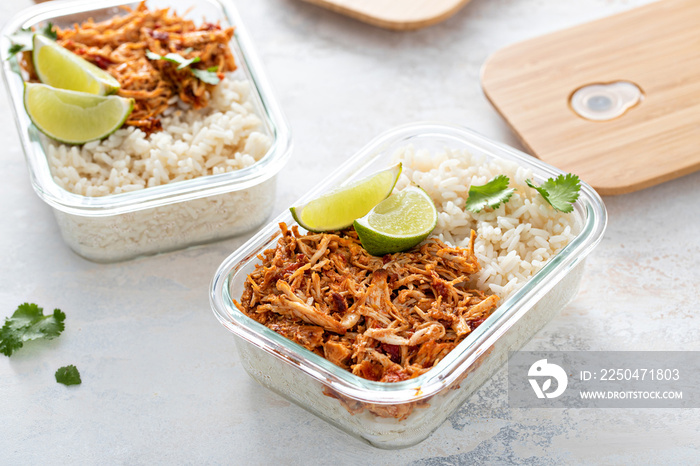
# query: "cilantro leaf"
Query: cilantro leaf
{"points": [[23, 40], [181, 61], [489, 195], [48, 31], [68, 375], [29, 323], [153, 55], [209, 76], [14, 50], [560, 192]]}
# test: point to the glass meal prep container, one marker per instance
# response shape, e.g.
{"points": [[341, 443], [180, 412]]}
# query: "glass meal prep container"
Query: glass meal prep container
{"points": [[171, 216], [396, 415]]}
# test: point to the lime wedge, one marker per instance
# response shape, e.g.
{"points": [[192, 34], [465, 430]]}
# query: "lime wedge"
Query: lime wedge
{"points": [[339, 208], [74, 117], [399, 222], [59, 67]]}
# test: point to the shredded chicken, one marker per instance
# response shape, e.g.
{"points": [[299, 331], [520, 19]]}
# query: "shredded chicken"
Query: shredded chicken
{"points": [[384, 319], [119, 46]]}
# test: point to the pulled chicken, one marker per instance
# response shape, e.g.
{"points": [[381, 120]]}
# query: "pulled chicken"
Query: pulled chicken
{"points": [[385, 319]]}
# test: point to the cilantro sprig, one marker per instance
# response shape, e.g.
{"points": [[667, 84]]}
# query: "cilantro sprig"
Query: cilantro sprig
{"points": [[29, 323], [560, 192], [22, 40], [489, 195], [208, 76], [68, 375], [172, 57]]}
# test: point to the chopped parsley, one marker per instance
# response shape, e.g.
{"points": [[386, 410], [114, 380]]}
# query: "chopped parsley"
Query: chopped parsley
{"points": [[560, 192], [29, 323], [68, 375], [22, 40], [489, 195], [208, 76]]}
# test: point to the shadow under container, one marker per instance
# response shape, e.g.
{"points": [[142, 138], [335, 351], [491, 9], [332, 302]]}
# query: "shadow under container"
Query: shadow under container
{"points": [[397, 415], [162, 218]]}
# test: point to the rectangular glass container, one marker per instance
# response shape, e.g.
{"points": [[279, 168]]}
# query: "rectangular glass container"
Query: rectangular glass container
{"points": [[396, 415], [171, 216]]}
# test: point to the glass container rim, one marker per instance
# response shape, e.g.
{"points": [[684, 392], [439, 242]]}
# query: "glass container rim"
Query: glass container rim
{"points": [[448, 370]]}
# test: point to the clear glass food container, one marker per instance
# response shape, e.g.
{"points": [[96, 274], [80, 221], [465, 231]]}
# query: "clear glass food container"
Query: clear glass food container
{"points": [[171, 216], [396, 415]]}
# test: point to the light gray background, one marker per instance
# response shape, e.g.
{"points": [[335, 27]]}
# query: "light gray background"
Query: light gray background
{"points": [[161, 378]]}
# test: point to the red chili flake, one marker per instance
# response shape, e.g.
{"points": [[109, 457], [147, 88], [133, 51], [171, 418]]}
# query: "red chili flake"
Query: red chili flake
{"points": [[159, 35], [210, 27], [441, 289], [475, 323], [393, 351], [391, 376], [339, 301], [291, 268], [101, 61]]}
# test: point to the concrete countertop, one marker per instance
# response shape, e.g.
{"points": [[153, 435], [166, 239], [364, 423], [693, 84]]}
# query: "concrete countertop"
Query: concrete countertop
{"points": [[161, 377]]}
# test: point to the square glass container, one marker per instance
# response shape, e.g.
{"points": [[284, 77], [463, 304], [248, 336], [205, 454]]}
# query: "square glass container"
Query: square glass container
{"points": [[170, 216], [396, 415]]}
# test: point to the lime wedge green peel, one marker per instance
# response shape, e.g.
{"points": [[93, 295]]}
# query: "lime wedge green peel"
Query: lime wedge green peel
{"points": [[74, 117], [339, 208], [61, 68], [398, 223]]}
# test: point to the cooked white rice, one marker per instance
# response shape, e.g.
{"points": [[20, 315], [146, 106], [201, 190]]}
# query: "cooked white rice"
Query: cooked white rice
{"points": [[513, 241], [224, 136]]}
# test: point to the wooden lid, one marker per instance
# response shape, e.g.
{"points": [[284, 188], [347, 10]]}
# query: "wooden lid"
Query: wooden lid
{"points": [[656, 47], [392, 14]]}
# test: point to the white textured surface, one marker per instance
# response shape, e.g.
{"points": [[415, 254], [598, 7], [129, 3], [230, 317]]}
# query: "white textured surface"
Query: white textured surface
{"points": [[161, 378]]}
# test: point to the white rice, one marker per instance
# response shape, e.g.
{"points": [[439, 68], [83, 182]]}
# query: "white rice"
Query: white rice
{"points": [[224, 136], [513, 241]]}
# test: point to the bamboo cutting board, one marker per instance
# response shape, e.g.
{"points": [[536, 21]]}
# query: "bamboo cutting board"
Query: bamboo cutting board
{"points": [[656, 47], [395, 14]]}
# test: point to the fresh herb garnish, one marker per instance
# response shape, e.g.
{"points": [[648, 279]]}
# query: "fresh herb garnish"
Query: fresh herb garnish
{"points": [[49, 32], [68, 375], [560, 192], [22, 40], [208, 76], [181, 61], [29, 323], [15, 49], [489, 195]]}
